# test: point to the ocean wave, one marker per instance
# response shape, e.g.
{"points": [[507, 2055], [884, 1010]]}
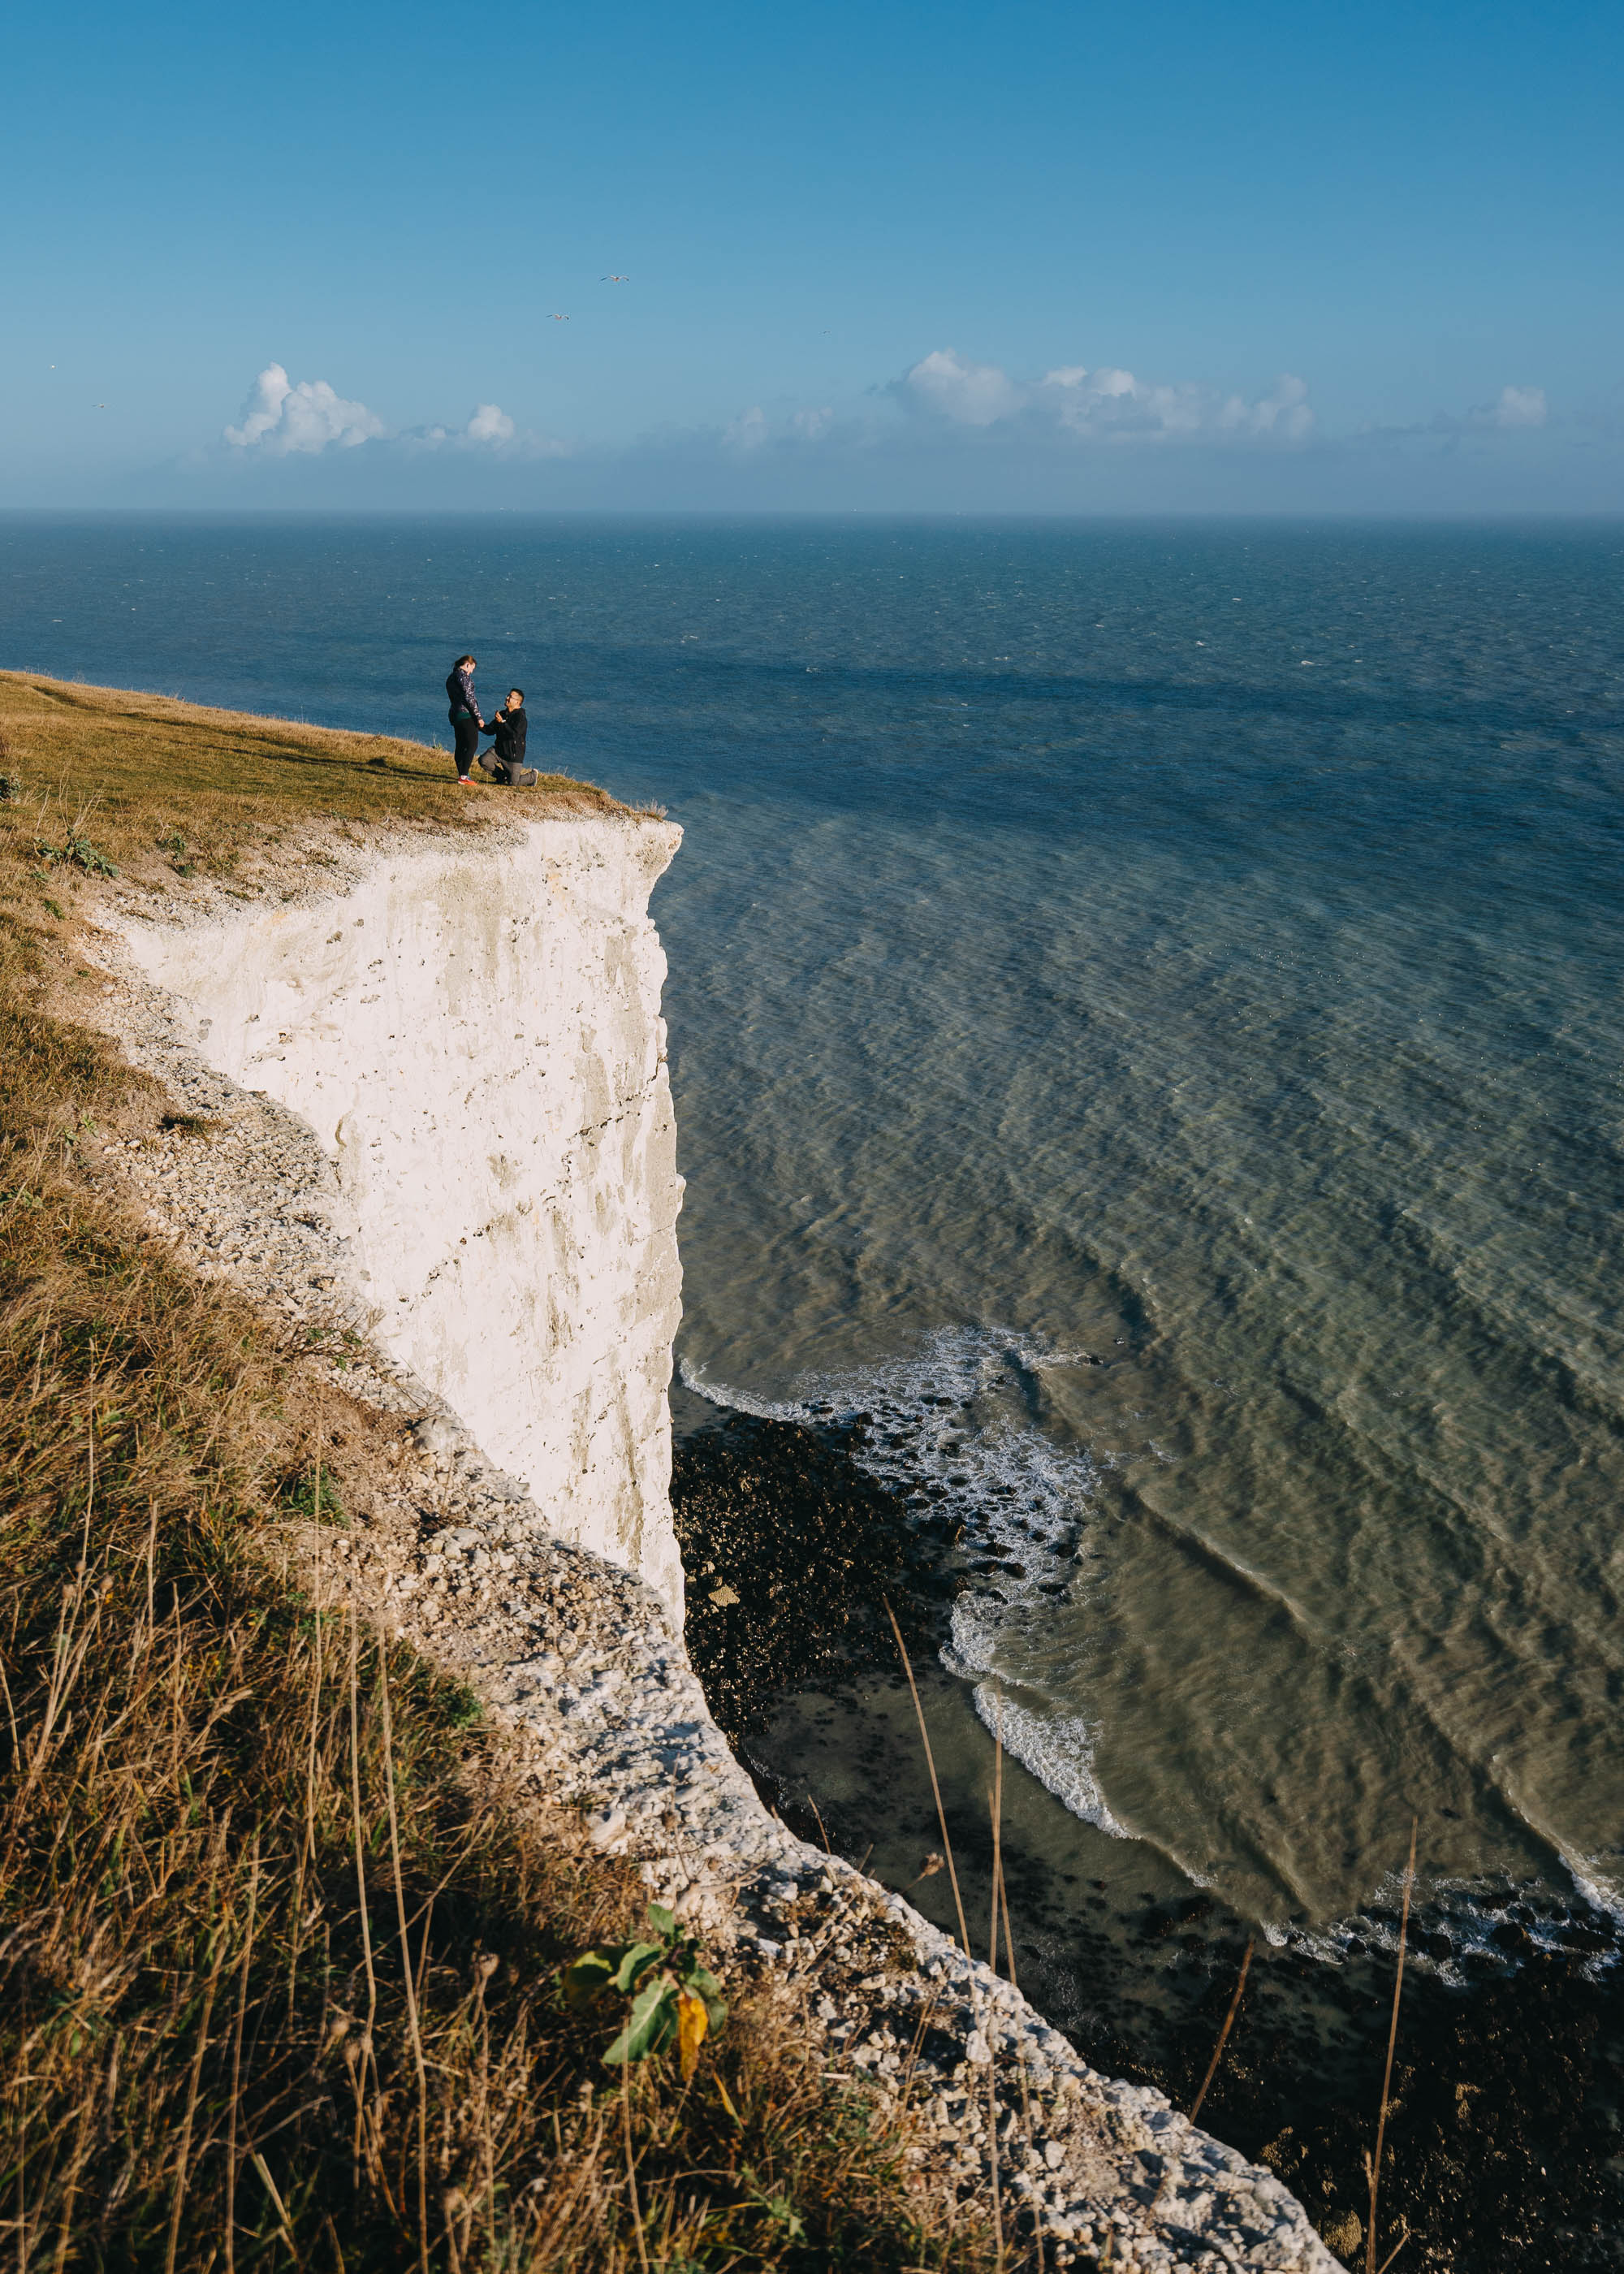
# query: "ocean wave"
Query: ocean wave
{"points": [[941, 1431], [1057, 1748], [950, 1428]]}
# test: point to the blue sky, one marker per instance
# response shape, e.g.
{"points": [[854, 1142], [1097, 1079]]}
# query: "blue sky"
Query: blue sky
{"points": [[1028, 257]]}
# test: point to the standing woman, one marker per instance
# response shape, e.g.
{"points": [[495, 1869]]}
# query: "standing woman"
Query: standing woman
{"points": [[465, 719]]}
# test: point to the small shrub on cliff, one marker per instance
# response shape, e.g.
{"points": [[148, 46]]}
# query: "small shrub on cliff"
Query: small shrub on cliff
{"points": [[674, 1998]]}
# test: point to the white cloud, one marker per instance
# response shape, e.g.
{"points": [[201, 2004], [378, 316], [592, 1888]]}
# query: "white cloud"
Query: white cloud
{"points": [[490, 428], [1517, 406], [967, 394], [749, 431], [753, 430], [1285, 412], [1104, 403], [279, 417], [280, 420], [490, 424], [1515, 409]]}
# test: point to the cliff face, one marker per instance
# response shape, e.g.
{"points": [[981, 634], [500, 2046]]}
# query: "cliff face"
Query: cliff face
{"points": [[473, 1032]]}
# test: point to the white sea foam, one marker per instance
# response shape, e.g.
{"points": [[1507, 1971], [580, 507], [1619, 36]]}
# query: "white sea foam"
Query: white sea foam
{"points": [[1601, 1884], [1056, 1748], [941, 1431]]}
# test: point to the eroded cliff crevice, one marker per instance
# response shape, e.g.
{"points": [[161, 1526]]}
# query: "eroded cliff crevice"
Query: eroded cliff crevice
{"points": [[472, 1030]]}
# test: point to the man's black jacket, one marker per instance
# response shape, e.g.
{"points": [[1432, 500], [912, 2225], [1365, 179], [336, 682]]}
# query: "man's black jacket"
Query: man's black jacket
{"points": [[510, 731]]}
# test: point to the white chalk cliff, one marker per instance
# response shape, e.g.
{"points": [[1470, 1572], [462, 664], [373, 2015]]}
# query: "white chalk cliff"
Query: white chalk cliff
{"points": [[471, 1028], [473, 1032]]}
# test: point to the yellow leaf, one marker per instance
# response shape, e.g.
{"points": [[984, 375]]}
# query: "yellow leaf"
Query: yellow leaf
{"points": [[692, 2023]]}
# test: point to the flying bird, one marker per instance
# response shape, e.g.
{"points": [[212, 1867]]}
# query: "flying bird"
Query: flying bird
{"points": [[614, 280], [558, 320]]}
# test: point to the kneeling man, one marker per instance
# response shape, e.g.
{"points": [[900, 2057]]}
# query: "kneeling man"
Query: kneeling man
{"points": [[504, 762]]}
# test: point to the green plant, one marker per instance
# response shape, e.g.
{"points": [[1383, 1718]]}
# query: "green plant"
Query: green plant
{"points": [[672, 1993], [314, 1497], [777, 2208], [74, 852], [460, 1708]]}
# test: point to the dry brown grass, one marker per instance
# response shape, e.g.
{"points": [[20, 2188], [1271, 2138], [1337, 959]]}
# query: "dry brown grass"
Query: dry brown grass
{"points": [[279, 1939], [161, 787]]}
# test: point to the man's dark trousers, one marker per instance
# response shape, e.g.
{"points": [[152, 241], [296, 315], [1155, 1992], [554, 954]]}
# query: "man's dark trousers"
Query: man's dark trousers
{"points": [[511, 777]]}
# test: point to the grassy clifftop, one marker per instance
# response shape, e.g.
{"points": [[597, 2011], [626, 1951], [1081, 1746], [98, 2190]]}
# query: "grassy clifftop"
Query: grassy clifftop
{"points": [[146, 769], [279, 1937]]}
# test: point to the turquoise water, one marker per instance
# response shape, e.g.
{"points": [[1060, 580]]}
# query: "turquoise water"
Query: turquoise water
{"points": [[1146, 1024]]}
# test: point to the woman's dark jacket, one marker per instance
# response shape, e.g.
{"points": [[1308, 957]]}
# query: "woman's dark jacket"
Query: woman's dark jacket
{"points": [[460, 688]]}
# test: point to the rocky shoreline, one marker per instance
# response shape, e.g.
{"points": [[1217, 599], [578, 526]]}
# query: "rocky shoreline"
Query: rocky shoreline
{"points": [[578, 1658], [1504, 2142]]}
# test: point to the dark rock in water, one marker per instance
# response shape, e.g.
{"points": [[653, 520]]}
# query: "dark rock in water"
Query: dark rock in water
{"points": [[1499, 2141]]}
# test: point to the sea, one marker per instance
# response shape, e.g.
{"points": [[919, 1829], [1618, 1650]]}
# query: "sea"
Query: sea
{"points": [[1146, 1030]]}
